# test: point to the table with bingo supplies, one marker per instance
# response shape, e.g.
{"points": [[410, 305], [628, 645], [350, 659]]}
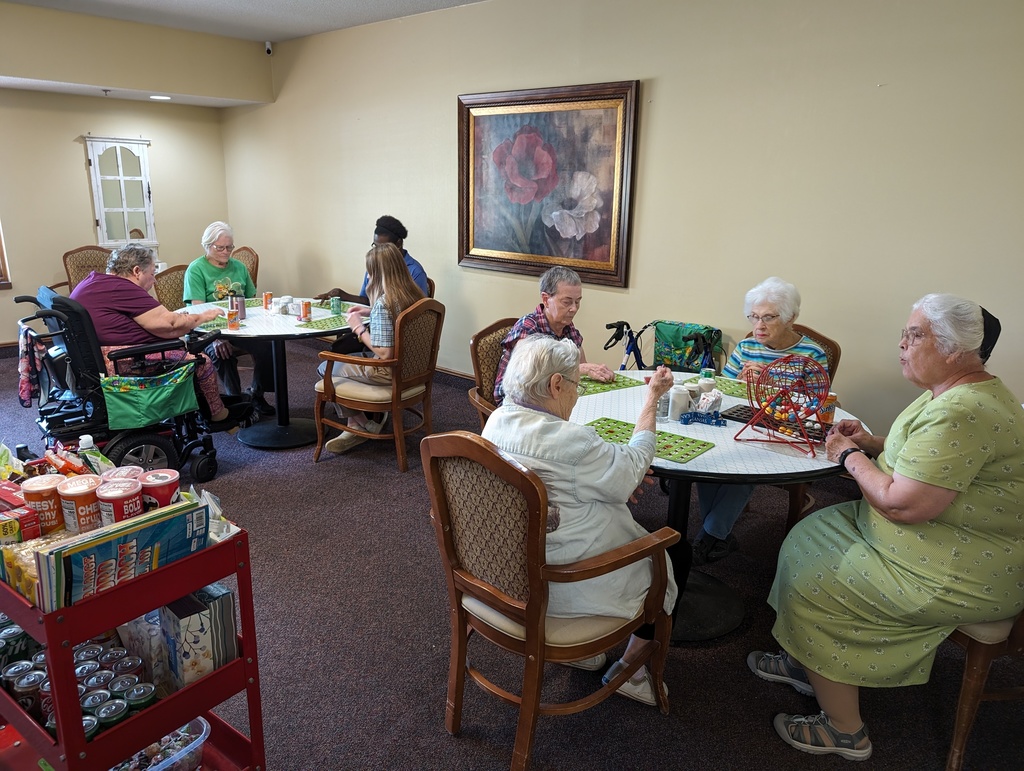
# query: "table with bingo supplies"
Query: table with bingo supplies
{"points": [[592, 386]]}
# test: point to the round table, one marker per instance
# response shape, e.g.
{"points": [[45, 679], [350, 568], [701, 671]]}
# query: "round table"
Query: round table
{"points": [[709, 607], [258, 324]]}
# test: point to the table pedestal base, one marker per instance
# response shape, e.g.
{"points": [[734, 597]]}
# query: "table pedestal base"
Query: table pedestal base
{"points": [[707, 609], [299, 432]]}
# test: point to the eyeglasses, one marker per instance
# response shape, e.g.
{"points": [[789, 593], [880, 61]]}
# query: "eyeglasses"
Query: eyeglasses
{"points": [[912, 336], [753, 318], [222, 249], [580, 388]]}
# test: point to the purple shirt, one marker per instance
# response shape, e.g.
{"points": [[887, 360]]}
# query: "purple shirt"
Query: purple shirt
{"points": [[535, 323], [114, 303]]}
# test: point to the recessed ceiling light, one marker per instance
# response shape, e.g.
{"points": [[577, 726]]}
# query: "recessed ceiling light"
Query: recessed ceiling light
{"points": [[161, 98]]}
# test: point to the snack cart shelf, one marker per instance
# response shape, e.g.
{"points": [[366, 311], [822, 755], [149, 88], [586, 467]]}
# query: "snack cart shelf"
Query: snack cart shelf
{"points": [[225, 750]]}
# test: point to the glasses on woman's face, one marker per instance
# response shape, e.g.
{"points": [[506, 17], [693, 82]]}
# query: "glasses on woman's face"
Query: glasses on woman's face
{"points": [[912, 336], [222, 249], [754, 319], [580, 388]]}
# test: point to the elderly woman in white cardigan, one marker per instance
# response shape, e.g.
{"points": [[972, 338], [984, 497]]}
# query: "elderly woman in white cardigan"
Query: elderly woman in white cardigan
{"points": [[588, 482]]}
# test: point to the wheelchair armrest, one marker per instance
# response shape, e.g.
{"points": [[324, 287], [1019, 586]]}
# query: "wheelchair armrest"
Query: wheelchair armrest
{"points": [[142, 350], [196, 342]]}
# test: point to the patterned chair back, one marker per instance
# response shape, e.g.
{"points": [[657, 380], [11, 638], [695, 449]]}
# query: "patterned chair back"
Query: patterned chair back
{"points": [[170, 287], [417, 338], [248, 257], [80, 262], [485, 353]]}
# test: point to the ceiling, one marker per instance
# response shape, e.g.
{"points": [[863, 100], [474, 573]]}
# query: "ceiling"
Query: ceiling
{"points": [[259, 20]]}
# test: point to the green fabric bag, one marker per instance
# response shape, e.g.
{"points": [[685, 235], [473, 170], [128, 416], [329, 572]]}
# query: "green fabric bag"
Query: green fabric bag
{"points": [[686, 347], [136, 402]]}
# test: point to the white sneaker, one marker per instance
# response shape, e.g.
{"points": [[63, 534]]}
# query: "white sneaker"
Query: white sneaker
{"points": [[591, 665], [639, 688], [344, 442], [374, 427]]}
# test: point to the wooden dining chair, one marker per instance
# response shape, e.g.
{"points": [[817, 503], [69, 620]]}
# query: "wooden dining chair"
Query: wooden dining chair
{"points": [[485, 353], [431, 286], [170, 287], [417, 338], [135, 234], [80, 262], [490, 515], [983, 643], [248, 257]]}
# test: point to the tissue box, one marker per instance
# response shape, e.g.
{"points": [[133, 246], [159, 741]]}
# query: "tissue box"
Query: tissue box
{"points": [[144, 638], [199, 631]]}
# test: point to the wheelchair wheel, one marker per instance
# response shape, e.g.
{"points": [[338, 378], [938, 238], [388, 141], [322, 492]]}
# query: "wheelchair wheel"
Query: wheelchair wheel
{"points": [[203, 468], [151, 451]]}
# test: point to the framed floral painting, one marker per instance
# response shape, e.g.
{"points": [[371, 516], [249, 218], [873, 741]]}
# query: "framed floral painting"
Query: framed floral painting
{"points": [[545, 178]]}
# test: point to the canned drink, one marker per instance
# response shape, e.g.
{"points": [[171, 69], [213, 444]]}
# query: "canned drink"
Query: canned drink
{"points": [[93, 700], [13, 671], [88, 652], [90, 726], [112, 712], [141, 696], [86, 669], [99, 679], [39, 660], [45, 699], [121, 685], [707, 372], [827, 412], [305, 310], [15, 644], [233, 319], [129, 665], [110, 657], [26, 692], [336, 306], [268, 300]]}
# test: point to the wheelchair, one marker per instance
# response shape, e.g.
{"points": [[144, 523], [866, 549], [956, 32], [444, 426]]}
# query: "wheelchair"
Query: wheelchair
{"points": [[68, 365]]}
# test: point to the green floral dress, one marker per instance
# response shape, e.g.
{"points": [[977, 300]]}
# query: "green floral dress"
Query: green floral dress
{"points": [[864, 601]]}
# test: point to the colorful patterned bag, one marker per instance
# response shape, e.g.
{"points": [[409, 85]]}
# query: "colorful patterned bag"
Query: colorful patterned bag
{"points": [[136, 402], [686, 347]]}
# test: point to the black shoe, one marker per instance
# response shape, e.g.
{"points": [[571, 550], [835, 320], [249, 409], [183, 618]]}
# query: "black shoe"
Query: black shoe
{"points": [[708, 549], [265, 408]]}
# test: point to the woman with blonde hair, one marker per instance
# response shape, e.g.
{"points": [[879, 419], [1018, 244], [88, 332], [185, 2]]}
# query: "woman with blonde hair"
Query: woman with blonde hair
{"points": [[390, 290]]}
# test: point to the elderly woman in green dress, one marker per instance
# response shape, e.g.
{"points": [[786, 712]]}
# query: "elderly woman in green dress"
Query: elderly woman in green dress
{"points": [[865, 591]]}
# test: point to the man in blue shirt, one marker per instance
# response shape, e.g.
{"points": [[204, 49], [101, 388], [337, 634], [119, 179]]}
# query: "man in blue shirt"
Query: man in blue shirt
{"points": [[388, 229]]}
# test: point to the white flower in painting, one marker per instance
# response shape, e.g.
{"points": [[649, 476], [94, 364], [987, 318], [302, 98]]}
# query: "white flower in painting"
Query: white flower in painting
{"points": [[572, 208]]}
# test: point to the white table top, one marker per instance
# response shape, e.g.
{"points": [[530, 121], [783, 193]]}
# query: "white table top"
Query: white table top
{"points": [[758, 461], [259, 323]]}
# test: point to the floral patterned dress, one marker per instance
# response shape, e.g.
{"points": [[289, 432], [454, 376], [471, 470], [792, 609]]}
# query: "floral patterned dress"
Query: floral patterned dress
{"points": [[865, 601]]}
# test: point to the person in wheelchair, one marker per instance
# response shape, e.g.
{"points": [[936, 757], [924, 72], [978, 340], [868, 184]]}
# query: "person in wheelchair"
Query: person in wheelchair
{"points": [[124, 314]]}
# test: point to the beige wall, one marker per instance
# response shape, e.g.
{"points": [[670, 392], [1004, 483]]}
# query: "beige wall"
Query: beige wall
{"points": [[869, 152], [45, 193]]}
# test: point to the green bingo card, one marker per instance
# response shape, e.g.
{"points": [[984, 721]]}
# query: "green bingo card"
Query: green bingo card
{"points": [[252, 302], [597, 387], [325, 305], [326, 323], [673, 447], [218, 323]]}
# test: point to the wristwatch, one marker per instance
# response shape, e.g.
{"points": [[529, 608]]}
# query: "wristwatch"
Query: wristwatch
{"points": [[841, 460]]}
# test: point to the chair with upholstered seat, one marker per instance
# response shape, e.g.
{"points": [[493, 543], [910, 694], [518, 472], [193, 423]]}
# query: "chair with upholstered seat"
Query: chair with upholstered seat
{"points": [[417, 338], [248, 257], [983, 643], [485, 353], [490, 515], [80, 262], [170, 287]]}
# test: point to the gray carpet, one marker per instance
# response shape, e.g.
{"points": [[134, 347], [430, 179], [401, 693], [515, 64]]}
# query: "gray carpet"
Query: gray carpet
{"points": [[353, 633]]}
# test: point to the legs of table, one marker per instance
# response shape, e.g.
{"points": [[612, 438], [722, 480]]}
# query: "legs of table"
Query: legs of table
{"points": [[286, 433]]}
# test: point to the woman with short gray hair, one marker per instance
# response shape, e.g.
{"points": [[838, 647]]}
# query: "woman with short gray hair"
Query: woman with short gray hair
{"points": [[588, 482]]}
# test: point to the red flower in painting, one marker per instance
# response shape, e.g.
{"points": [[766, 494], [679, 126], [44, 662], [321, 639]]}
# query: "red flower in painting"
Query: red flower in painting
{"points": [[528, 165]]}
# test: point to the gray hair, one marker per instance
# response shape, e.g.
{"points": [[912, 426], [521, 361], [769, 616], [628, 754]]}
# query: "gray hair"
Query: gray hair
{"points": [[774, 291], [558, 275], [956, 323], [534, 360], [124, 260], [214, 231]]}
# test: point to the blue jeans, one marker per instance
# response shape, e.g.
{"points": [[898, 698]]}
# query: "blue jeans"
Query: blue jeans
{"points": [[721, 505]]}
